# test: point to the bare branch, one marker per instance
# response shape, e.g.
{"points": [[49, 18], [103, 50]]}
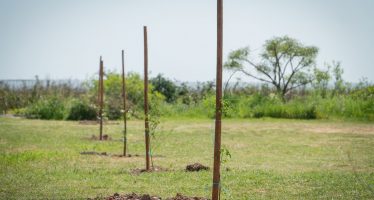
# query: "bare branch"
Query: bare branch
{"points": [[228, 80], [260, 70], [258, 78], [298, 65], [298, 85]]}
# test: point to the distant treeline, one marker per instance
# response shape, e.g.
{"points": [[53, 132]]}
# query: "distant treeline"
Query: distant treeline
{"points": [[30, 83], [77, 100]]}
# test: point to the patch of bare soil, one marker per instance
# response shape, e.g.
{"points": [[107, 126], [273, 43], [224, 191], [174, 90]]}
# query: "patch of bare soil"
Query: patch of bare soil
{"points": [[127, 156], [94, 153], [196, 167], [134, 196], [137, 155], [182, 197], [153, 169]]}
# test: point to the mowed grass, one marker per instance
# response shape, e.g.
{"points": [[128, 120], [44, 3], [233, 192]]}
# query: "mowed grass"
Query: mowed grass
{"points": [[271, 159]]}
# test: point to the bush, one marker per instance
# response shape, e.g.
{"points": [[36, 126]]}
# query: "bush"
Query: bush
{"points": [[291, 110], [51, 108], [346, 107], [81, 110]]}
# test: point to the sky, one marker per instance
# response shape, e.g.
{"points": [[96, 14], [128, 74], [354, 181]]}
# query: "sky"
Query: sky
{"points": [[64, 39]]}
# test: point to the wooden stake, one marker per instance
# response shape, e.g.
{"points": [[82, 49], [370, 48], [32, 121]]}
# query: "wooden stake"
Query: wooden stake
{"points": [[101, 97], [124, 105], [217, 138], [146, 120], [98, 90]]}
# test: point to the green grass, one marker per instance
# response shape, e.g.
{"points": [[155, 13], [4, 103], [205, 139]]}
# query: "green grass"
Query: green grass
{"points": [[271, 159]]}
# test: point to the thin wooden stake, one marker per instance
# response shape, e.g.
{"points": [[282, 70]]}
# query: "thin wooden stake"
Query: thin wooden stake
{"points": [[124, 105], [101, 97], [217, 138], [98, 90], [146, 120]]}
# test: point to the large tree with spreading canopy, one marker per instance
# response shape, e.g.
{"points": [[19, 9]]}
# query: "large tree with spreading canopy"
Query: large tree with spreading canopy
{"points": [[284, 63]]}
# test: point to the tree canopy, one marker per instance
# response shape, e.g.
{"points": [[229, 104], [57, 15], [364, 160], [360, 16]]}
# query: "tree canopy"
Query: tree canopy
{"points": [[285, 63]]}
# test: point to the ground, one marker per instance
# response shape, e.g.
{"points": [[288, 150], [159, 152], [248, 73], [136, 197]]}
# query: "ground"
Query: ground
{"points": [[271, 159]]}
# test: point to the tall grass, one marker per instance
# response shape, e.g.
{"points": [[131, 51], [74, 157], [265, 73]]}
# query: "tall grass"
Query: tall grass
{"points": [[77, 104], [257, 106]]}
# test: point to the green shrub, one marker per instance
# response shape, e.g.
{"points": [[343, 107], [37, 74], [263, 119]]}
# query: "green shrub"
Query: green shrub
{"points": [[50, 108], [81, 110], [345, 106], [209, 105], [113, 111], [273, 107]]}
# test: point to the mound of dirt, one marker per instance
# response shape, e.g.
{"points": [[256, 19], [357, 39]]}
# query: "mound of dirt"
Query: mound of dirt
{"points": [[134, 196], [181, 197], [196, 167]]}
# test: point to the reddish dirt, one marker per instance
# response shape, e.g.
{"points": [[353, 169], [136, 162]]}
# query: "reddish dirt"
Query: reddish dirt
{"points": [[196, 167], [134, 196]]}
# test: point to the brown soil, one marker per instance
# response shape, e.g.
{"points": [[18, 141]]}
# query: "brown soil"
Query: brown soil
{"points": [[196, 167], [181, 197], [94, 153], [134, 196], [153, 169], [137, 155], [127, 156]]}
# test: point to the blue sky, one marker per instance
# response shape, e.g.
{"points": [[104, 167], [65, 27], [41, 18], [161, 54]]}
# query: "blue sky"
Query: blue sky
{"points": [[64, 39]]}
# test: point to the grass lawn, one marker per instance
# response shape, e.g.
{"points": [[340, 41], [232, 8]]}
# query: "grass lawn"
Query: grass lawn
{"points": [[271, 159]]}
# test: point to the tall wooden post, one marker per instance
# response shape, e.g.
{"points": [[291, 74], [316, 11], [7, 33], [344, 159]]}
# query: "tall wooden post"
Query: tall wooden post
{"points": [[98, 90], [101, 103], [124, 105], [217, 138], [146, 120]]}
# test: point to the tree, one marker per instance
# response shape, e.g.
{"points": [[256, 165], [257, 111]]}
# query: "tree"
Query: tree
{"points": [[285, 63], [337, 71], [321, 81], [165, 87]]}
